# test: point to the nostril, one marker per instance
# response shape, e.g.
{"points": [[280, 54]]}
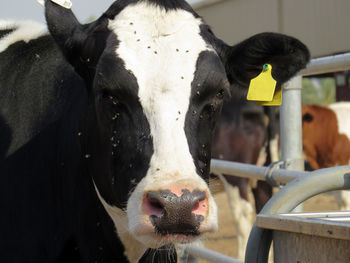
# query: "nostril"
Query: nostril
{"points": [[156, 205], [157, 208], [198, 196], [196, 206], [200, 203], [153, 205]]}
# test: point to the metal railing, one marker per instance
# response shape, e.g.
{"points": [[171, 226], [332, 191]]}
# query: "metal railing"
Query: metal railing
{"points": [[300, 185]]}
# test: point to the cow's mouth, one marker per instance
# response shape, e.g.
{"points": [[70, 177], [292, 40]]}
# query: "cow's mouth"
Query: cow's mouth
{"points": [[189, 234], [179, 238]]}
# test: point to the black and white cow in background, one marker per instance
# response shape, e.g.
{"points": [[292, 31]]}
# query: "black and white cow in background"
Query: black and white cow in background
{"points": [[247, 133], [106, 128]]}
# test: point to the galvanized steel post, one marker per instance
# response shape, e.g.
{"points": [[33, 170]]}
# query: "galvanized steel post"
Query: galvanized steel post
{"points": [[291, 128], [290, 123]]}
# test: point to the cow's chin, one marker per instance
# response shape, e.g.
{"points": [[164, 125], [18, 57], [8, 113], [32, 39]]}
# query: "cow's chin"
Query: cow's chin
{"points": [[153, 240]]}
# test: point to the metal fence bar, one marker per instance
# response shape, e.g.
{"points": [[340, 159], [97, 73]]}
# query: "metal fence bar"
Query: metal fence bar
{"points": [[327, 64], [252, 171], [211, 255]]}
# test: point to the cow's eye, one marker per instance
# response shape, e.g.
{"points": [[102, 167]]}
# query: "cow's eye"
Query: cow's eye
{"points": [[220, 94]]}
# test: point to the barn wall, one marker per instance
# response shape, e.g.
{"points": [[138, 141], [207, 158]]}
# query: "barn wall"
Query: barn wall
{"points": [[236, 20], [321, 24]]}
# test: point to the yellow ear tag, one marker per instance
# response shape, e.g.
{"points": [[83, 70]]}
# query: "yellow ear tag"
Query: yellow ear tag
{"points": [[276, 101], [262, 88]]}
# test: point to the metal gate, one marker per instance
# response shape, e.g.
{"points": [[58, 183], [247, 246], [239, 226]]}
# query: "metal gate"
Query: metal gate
{"points": [[300, 185]]}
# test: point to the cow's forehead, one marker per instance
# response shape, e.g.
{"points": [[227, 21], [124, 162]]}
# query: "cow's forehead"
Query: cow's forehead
{"points": [[161, 49]]}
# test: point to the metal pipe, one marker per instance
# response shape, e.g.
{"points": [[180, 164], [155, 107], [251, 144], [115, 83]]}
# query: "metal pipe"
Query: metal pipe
{"points": [[327, 64], [309, 185], [252, 171], [319, 214], [290, 126], [210, 255], [289, 197]]}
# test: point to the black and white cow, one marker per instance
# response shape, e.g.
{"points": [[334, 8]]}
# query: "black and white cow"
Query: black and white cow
{"points": [[106, 128], [247, 133]]}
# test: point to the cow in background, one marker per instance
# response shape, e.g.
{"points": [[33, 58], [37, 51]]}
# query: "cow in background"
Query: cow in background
{"points": [[326, 140], [246, 133]]}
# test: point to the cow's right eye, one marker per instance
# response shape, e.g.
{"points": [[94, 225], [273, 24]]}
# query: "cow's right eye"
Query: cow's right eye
{"points": [[220, 95]]}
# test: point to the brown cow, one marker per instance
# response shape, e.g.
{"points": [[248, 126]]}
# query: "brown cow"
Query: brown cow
{"points": [[326, 139]]}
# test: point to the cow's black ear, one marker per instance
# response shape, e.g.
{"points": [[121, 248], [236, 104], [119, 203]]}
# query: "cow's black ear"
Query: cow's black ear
{"points": [[244, 61], [82, 45], [64, 27]]}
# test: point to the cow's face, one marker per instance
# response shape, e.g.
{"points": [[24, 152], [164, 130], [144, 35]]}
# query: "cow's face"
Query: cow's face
{"points": [[156, 76], [157, 98]]}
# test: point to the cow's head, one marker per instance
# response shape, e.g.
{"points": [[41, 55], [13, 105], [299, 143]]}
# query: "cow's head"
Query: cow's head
{"points": [[156, 77]]}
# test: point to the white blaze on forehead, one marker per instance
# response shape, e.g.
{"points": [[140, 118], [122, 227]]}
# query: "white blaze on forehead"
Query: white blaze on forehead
{"points": [[161, 49], [23, 31]]}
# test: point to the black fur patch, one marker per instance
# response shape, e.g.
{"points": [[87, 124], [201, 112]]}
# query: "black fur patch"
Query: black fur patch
{"points": [[121, 145], [6, 32], [208, 90]]}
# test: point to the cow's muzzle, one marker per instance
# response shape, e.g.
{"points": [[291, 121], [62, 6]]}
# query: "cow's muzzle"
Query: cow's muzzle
{"points": [[176, 213]]}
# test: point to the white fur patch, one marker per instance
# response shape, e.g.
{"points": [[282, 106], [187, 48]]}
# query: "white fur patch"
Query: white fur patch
{"points": [[161, 49], [24, 31], [342, 111]]}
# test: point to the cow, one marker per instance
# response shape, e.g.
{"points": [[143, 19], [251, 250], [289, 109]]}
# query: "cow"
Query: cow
{"points": [[244, 133], [106, 129], [326, 140]]}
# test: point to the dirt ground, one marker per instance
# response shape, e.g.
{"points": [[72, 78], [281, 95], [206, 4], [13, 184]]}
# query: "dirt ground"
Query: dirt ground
{"points": [[225, 241]]}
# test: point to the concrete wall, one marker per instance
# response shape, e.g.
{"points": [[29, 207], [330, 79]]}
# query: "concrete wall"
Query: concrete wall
{"points": [[324, 25]]}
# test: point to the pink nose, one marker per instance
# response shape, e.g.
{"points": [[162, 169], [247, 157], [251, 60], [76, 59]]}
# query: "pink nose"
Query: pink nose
{"points": [[174, 214]]}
